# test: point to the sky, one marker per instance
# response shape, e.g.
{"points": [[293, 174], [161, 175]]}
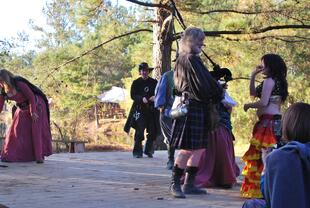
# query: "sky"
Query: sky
{"points": [[15, 16]]}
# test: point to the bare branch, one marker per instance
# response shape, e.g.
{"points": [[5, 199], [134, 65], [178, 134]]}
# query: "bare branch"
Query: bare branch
{"points": [[282, 38], [5, 42], [281, 27], [301, 21], [280, 12], [237, 12], [254, 31], [96, 8], [245, 78], [94, 48], [150, 4], [290, 41], [149, 21], [59, 130], [210, 33]]}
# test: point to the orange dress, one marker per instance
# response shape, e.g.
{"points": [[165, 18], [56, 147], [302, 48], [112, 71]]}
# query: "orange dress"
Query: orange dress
{"points": [[264, 136]]}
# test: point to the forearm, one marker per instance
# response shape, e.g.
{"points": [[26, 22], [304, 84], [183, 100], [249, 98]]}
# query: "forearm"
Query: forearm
{"points": [[258, 104], [252, 85]]}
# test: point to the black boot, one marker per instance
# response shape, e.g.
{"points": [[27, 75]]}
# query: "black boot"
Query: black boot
{"points": [[175, 186], [189, 187], [137, 148], [149, 145]]}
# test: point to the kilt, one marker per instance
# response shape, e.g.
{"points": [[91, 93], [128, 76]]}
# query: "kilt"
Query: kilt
{"points": [[190, 132]]}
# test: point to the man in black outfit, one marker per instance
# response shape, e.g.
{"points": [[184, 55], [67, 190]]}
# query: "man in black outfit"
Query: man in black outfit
{"points": [[143, 115]]}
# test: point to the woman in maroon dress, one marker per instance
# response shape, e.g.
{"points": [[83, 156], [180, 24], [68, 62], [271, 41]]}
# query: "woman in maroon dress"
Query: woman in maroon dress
{"points": [[29, 137], [217, 166]]}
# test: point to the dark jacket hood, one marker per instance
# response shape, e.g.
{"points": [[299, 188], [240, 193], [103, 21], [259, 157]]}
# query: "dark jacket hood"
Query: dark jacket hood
{"points": [[303, 150]]}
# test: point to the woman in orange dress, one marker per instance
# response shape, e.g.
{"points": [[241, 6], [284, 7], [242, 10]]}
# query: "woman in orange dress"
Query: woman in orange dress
{"points": [[272, 92]]}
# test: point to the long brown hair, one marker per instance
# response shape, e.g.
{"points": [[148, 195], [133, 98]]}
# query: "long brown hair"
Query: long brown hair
{"points": [[295, 123], [277, 70], [8, 78]]}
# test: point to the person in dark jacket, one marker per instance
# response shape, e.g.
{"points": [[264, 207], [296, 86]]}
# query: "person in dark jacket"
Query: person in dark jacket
{"points": [[164, 98], [143, 115], [287, 174], [199, 89], [286, 181]]}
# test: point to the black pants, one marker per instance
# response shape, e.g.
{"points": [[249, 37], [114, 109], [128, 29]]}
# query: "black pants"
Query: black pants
{"points": [[146, 122]]}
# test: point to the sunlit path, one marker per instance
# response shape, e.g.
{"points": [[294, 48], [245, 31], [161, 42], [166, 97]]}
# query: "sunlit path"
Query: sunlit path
{"points": [[109, 179]]}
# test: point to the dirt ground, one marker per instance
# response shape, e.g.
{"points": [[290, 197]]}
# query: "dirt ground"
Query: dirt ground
{"points": [[101, 179]]}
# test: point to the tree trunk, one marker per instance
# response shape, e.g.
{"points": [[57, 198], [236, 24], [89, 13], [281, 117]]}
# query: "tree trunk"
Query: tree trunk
{"points": [[162, 40]]}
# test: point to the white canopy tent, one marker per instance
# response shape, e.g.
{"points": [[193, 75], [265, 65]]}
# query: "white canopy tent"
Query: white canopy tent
{"points": [[114, 95]]}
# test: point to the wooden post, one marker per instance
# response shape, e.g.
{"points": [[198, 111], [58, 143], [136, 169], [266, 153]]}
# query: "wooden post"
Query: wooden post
{"points": [[96, 116]]}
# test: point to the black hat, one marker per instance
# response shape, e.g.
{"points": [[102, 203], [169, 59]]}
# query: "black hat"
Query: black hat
{"points": [[144, 65]]}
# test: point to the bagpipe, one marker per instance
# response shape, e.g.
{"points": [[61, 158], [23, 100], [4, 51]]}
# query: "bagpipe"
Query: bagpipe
{"points": [[221, 74]]}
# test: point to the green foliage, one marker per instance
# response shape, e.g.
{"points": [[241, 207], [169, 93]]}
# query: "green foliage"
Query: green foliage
{"points": [[78, 26], [242, 56]]}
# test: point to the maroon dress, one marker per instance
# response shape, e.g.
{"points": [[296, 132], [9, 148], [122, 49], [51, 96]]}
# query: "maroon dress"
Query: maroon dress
{"points": [[27, 140], [217, 167]]}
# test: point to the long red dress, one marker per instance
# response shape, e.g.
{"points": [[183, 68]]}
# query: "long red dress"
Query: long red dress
{"points": [[27, 140], [217, 167]]}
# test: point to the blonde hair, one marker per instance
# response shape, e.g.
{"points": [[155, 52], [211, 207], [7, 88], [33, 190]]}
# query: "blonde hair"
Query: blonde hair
{"points": [[189, 38], [7, 77]]}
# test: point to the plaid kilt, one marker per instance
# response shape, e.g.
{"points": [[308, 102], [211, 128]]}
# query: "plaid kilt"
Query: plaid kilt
{"points": [[190, 132]]}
